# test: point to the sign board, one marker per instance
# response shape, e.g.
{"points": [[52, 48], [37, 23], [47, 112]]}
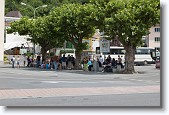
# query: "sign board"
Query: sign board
{"points": [[104, 45], [23, 51]]}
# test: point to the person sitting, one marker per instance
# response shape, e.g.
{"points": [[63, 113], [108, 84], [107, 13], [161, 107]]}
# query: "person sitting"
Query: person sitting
{"points": [[47, 65], [113, 63], [43, 65]]}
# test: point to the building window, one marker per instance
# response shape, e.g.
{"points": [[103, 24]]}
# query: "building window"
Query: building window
{"points": [[157, 29], [157, 39]]}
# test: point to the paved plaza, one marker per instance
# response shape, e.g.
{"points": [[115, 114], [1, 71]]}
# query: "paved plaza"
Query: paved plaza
{"points": [[40, 87]]}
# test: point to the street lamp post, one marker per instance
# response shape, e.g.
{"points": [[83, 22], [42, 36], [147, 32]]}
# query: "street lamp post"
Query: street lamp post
{"points": [[34, 9], [34, 16]]}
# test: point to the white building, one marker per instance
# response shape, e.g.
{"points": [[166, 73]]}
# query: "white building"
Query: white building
{"points": [[2, 6], [154, 37]]}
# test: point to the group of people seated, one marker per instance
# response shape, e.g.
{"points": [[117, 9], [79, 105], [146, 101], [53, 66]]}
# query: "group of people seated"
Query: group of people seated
{"points": [[54, 62], [63, 62], [102, 65]]}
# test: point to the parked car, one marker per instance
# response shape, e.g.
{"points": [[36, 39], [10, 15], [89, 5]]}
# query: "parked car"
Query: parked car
{"points": [[158, 62]]}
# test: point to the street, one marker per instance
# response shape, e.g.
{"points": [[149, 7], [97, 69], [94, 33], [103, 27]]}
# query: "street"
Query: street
{"points": [[40, 87]]}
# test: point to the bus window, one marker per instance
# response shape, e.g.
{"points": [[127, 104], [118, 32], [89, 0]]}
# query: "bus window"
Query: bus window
{"points": [[138, 51], [143, 51], [114, 51], [123, 51], [117, 51]]}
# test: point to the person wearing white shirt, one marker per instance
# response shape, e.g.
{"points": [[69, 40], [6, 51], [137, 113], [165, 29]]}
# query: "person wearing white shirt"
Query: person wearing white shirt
{"points": [[13, 61], [101, 59]]}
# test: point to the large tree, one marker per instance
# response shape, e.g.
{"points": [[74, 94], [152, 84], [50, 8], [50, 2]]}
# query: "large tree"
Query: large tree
{"points": [[46, 35], [40, 31], [129, 20], [76, 22]]}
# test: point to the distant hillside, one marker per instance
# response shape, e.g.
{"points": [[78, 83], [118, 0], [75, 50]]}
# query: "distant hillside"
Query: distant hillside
{"points": [[15, 5]]}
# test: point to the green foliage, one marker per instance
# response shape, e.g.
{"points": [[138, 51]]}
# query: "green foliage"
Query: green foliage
{"points": [[15, 5], [75, 22], [41, 32], [45, 33], [29, 54], [51, 54], [131, 19], [22, 26]]}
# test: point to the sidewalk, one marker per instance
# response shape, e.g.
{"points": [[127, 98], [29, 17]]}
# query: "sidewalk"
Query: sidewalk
{"points": [[2, 65], [58, 92], [69, 83], [141, 71]]}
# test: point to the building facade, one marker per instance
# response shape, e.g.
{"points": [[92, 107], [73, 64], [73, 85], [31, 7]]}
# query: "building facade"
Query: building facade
{"points": [[2, 6], [154, 37]]}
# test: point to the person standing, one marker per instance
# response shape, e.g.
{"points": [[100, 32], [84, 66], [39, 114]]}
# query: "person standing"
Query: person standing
{"points": [[29, 61], [69, 62], [85, 61], [38, 61], [113, 63], [73, 61], [63, 59], [109, 59], [24, 60], [13, 61], [55, 62], [18, 62], [119, 62], [90, 65]]}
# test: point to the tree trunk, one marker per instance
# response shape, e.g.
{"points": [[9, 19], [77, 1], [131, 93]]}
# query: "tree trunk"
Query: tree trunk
{"points": [[78, 60], [43, 51], [129, 59]]}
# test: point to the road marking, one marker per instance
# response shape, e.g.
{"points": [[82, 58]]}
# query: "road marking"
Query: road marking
{"points": [[67, 82], [50, 81]]}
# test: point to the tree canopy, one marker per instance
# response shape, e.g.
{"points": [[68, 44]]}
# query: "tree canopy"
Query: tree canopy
{"points": [[76, 22], [127, 20], [41, 32]]}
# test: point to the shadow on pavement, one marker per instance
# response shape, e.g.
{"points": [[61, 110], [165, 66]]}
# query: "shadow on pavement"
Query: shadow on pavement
{"points": [[68, 71]]}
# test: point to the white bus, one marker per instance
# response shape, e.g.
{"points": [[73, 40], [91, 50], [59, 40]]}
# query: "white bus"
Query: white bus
{"points": [[142, 55]]}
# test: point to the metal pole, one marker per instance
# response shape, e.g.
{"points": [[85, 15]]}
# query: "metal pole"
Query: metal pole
{"points": [[34, 43]]}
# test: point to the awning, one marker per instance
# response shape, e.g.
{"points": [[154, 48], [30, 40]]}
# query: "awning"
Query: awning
{"points": [[15, 40]]}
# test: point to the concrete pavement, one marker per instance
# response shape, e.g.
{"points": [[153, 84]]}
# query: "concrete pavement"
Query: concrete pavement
{"points": [[31, 84]]}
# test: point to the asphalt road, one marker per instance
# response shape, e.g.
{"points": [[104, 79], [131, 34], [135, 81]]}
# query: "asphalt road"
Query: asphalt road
{"points": [[32, 78]]}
